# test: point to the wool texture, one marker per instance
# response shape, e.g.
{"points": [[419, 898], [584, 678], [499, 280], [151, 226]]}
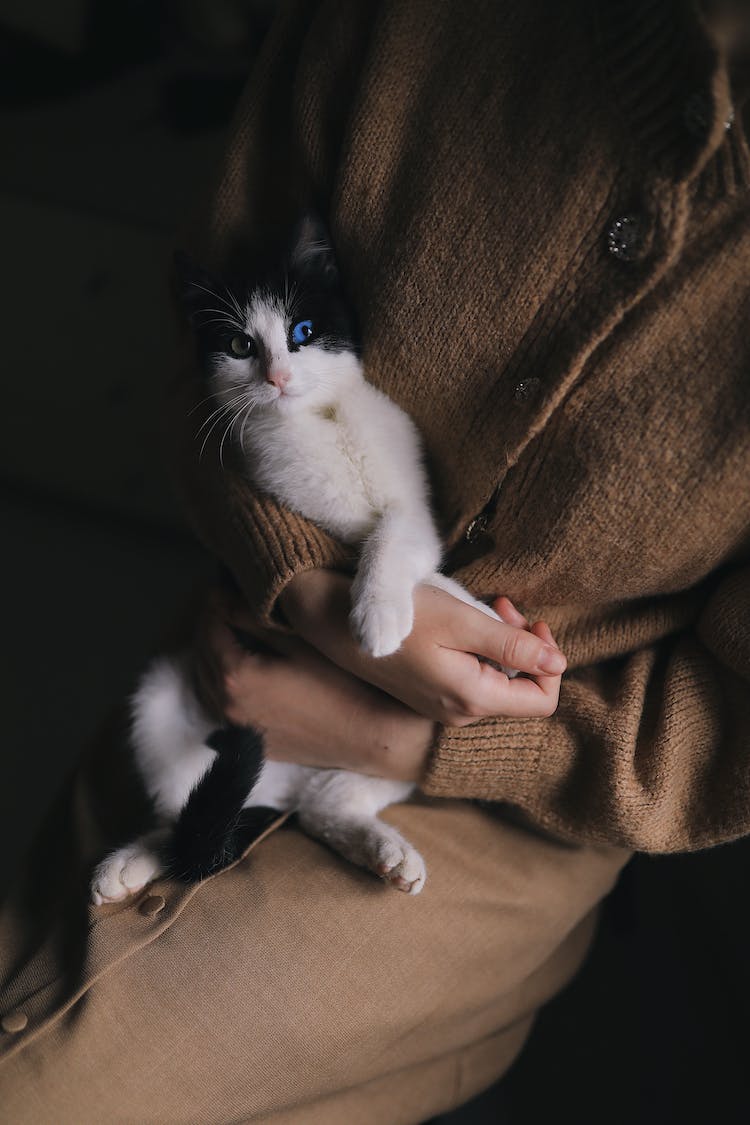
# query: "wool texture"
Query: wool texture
{"points": [[586, 402]]}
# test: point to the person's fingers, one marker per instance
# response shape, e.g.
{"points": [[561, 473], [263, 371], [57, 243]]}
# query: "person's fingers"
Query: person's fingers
{"points": [[531, 698], [521, 649], [549, 685], [543, 631], [504, 608], [489, 692]]}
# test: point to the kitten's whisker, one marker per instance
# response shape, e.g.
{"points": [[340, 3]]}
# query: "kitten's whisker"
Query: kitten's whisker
{"points": [[221, 414], [217, 418], [214, 414], [289, 293], [227, 431], [222, 407], [205, 440], [242, 315], [222, 320], [248, 412], [293, 301], [218, 296], [199, 404], [244, 412]]}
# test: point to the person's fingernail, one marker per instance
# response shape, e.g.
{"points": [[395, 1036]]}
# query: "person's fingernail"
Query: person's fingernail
{"points": [[552, 661]]}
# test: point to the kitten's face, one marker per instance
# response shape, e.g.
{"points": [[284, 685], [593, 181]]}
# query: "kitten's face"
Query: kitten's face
{"points": [[285, 342]]}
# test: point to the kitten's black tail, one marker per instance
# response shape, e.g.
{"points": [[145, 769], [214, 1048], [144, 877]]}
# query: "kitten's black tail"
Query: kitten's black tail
{"points": [[213, 829]]}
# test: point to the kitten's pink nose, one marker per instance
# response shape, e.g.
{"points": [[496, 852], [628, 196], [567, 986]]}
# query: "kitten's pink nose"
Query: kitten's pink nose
{"points": [[278, 378]]}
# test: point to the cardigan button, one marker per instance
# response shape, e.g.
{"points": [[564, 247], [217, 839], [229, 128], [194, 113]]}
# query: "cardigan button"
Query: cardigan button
{"points": [[698, 112], [476, 528], [526, 389], [625, 238], [14, 1022]]}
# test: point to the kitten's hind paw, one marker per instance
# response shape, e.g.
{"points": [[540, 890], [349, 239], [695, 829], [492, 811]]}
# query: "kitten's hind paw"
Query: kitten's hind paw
{"points": [[124, 872], [380, 626], [381, 848], [399, 864]]}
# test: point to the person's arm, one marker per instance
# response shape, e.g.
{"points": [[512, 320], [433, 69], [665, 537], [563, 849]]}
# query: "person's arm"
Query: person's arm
{"points": [[315, 713], [647, 751]]}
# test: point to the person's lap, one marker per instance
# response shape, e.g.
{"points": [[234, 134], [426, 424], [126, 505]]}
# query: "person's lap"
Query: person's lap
{"points": [[295, 987]]}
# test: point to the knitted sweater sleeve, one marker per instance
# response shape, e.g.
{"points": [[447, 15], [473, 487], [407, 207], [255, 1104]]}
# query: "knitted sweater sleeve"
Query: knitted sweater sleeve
{"points": [[648, 751]]}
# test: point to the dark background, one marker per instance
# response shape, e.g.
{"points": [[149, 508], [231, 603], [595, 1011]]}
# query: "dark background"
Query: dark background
{"points": [[112, 118]]}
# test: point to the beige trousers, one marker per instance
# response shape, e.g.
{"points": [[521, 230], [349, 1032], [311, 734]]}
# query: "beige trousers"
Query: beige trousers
{"points": [[291, 988]]}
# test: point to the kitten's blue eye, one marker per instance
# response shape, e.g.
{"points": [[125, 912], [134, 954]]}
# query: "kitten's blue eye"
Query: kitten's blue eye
{"points": [[302, 331]]}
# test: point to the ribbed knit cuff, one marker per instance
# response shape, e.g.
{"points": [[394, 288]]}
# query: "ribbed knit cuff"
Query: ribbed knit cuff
{"points": [[269, 546], [493, 760]]}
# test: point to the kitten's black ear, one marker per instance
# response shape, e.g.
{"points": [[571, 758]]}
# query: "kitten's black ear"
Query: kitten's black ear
{"points": [[311, 251], [195, 289]]}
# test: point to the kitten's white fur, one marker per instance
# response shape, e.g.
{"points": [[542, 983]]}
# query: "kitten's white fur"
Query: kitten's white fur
{"points": [[337, 450]]}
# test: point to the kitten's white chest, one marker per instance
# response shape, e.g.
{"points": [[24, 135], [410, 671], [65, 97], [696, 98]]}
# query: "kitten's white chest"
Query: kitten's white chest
{"points": [[314, 463]]}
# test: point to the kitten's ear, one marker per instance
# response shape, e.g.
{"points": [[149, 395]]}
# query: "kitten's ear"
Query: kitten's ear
{"points": [[195, 289], [311, 251]]}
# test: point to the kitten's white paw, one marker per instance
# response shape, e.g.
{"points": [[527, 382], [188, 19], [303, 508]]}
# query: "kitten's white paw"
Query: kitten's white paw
{"points": [[384, 851], [400, 864], [123, 873], [381, 625]]}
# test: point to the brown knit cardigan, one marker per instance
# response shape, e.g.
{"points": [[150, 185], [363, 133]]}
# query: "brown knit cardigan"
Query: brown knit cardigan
{"points": [[541, 215]]}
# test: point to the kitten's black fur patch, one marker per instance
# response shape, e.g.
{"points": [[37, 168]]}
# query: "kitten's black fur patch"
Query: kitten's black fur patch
{"points": [[304, 267], [213, 829]]}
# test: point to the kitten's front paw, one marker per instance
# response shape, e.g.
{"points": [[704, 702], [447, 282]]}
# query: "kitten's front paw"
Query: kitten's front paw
{"points": [[123, 873], [381, 625]]}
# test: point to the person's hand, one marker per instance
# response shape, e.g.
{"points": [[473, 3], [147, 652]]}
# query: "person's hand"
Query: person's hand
{"points": [[309, 710], [436, 671]]}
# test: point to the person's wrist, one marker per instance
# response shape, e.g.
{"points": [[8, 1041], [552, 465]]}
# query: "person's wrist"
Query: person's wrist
{"points": [[304, 595], [297, 583], [289, 599], [402, 750]]}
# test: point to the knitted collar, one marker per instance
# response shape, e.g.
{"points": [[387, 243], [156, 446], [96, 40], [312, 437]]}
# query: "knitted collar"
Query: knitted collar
{"points": [[682, 96]]}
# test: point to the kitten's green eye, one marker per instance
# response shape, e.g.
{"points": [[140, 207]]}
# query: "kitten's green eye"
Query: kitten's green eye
{"points": [[242, 346]]}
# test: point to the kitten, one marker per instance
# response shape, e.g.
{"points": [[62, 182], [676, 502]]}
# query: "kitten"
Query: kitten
{"points": [[282, 362]]}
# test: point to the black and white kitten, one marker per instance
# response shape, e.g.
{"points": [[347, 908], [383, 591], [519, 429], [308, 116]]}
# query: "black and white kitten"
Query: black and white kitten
{"points": [[282, 363]]}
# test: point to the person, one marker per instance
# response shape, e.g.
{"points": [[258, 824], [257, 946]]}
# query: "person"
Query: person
{"points": [[541, 217]]}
